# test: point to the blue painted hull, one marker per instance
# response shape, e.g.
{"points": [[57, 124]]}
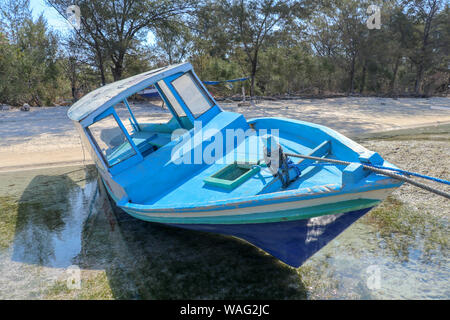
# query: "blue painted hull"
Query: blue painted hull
{"points": [[149, 94], [292, 242]]}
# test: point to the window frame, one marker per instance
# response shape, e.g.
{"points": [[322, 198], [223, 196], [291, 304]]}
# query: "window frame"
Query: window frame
{"points": [[202, 92], [121, 165], [169, 104]]}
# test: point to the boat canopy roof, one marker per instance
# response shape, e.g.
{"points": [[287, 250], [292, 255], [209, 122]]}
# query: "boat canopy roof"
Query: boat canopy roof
{"points": [[109, 95]]}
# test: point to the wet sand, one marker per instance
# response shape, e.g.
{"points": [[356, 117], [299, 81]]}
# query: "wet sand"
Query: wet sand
{"points": [[425, 150], [45, 137]]}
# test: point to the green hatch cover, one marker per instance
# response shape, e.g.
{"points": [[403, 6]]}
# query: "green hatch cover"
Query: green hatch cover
{"points": [[232, 175]]}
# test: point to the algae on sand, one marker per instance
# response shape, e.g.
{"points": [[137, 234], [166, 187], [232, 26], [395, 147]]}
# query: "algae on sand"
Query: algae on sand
{"points": [[401, 227], [8, 216]]}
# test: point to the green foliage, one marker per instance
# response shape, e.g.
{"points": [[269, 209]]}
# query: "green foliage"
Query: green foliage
{"points": [[31, 73], [210, 68], [285, 47], [8, 216], [7, 62]]}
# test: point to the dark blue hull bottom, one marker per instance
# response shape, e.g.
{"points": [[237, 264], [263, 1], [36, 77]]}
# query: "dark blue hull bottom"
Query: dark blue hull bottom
{"points": [[292, 242], [150, 95]]}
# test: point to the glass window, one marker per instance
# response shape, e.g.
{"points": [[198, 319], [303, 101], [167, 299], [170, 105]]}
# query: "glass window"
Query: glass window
{"points": [[111, 141], [171, 98], [125, 116], [192, 94]]}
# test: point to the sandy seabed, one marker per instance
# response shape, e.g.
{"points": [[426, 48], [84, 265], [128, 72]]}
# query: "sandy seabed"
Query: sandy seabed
{"points": [[45, 136]]}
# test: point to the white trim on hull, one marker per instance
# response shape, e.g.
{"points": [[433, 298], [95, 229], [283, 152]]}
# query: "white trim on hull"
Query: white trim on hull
{"points": [[379, 194]]}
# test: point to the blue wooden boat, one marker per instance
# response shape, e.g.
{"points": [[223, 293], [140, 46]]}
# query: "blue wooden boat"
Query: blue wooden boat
{"points": [[150, 92], [212, 170]]}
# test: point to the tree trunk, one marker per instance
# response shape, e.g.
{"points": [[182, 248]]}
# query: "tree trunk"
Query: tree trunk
{"points": [[102, 73], [363, 80], [100, 63], [419, 76], [425, 43], [352, 74], [394, 76], [101, 68], [253, 74], [252, 86], [117, 70], [74, 93]]}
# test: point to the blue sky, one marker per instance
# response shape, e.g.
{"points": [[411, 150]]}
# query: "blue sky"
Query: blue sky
{"points": [[54, 20]]}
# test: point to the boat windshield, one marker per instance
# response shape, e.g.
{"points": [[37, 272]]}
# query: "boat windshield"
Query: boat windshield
{"points": [[111, 140], [192, 94], [171, 98]]}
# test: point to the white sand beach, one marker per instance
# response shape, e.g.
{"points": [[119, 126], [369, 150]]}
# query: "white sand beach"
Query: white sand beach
{"points": [[45, 136]]}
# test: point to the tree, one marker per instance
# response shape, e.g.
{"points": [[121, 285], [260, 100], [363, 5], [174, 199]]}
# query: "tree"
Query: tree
{"points": [[350, 18], [13, 14], [174, 42], [111, 28], [249, 23], [322, 36], [37, 62], [441, 54], [284, 46], [424, 13], [74, 59], [29, 65], [7, 63]]}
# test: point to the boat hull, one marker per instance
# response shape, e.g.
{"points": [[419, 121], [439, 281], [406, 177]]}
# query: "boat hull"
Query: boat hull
{"points": [[292, 242], [292, 235], [150, 93]]}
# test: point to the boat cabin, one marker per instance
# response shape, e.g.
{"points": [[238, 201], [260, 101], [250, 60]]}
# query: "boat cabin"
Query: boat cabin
{"points": [[124, 146]]}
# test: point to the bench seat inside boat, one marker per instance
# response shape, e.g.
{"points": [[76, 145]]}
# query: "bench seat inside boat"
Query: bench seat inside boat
{"points": [[151, 136], [168, 127], [145, 141], [143, 138]]}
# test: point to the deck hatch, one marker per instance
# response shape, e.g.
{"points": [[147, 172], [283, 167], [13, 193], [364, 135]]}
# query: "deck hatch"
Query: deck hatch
{"points": [[232, 175]]}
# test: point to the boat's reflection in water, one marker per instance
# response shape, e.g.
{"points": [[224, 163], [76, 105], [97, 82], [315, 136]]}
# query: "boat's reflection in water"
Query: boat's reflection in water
{"points": [[50, 218]]}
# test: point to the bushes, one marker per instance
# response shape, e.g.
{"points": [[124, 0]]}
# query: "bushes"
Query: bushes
{"points": [[30, 68]]}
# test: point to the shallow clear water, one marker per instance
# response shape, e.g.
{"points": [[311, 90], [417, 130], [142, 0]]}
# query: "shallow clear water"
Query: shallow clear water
{"points": [[363, 266], [52, 219], [50, 207]]}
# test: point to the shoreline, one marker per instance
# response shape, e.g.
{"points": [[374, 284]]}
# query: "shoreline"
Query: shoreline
{"points": [[88, 161], [45, 138]]}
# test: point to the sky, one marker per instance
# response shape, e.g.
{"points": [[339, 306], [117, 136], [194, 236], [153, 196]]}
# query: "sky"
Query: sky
{"points": [[54, 19]]}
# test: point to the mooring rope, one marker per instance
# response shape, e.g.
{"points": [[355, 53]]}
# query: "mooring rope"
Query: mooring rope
{"points": [[222, 81], [385, 171], [409, 173]]}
